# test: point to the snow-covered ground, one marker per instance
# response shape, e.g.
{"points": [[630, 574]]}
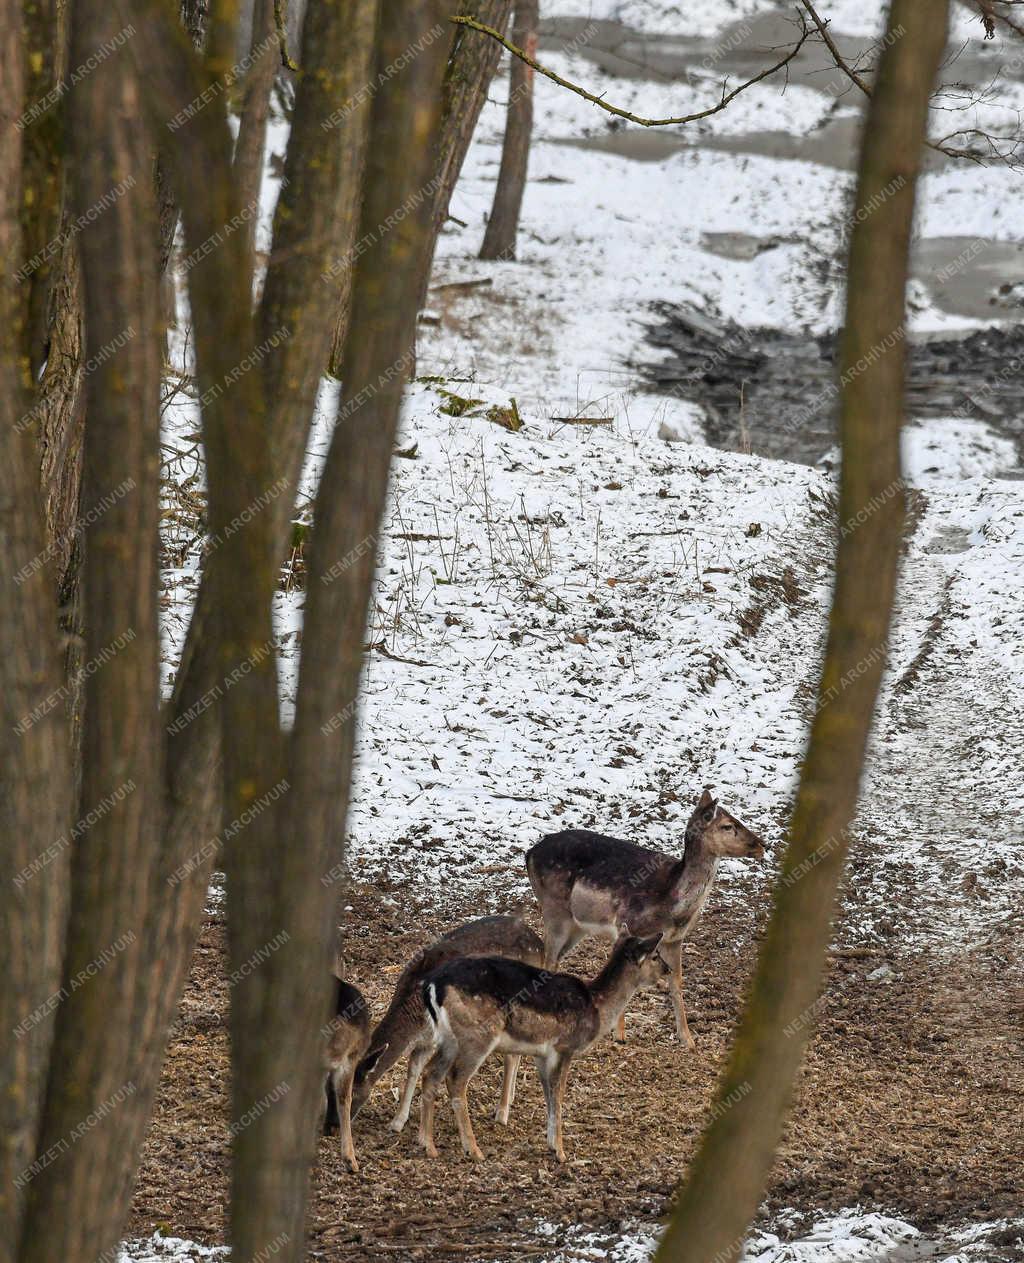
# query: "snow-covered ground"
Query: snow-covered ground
{"points": [[586, 623], [852, 1237]]}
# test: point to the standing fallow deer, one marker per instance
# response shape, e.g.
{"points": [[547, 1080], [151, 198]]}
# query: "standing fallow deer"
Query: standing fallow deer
{"points": [[345, 1040], [588, 884], [405, 1024], [487, 1003]]}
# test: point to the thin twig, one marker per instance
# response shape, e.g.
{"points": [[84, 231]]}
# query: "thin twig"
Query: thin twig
{"points": [[282, 35], [473, 24], [830, 44], [855, 78]]}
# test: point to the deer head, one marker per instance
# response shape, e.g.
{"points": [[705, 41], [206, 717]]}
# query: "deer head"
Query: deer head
{"points": [[721, 834], [643, 953]]}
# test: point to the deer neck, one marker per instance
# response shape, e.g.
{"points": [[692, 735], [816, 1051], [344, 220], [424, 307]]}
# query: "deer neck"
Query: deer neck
{"points": [[697, 877], [611, 991]]}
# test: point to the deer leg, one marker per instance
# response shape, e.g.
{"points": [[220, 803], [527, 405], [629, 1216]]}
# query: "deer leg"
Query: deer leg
{"points": [[556, 1071], [560, 937], [673, 957], [435, 1072], [508, 1088], [331, 1119], [544, 1074], [418, 1058], [343, 1082], [462, 1071], [620, 1028]]}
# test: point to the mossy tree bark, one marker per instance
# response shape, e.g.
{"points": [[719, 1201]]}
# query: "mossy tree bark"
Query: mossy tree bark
{"points": [[729, 1173], [67, 1214], [35, 787]]}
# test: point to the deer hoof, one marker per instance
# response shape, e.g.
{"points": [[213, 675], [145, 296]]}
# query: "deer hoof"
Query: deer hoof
{"points": [[397, 1124]]}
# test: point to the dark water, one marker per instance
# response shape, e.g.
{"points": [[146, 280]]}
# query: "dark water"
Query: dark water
{"points": [[774, 393]]}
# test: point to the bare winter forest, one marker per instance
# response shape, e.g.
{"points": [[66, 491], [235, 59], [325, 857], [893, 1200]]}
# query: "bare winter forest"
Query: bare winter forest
{"points": [[511, 631]]}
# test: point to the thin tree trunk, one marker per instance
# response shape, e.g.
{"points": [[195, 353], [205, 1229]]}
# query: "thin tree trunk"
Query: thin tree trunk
{"points": [[255, 111], [71, 1210], [35, 800], [503, 225], [728, 1176], [471, 65], [273, 1128], [349, 506], [51, 327], [274, 1153]]}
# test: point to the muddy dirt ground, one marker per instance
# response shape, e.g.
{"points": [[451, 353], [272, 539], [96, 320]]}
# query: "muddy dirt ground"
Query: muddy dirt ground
{"points": [[911, 1101]]}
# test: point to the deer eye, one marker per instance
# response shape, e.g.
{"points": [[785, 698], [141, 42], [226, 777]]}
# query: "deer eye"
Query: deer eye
{"points": [[727, 828]]}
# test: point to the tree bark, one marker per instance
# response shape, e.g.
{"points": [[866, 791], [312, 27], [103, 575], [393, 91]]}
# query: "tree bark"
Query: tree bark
{"points": [[35, 800], [470, 68], [350, 502], [732, 1166], [503, 226], [71, 1210], [274, 1152], [472, 61], [255, 111]]}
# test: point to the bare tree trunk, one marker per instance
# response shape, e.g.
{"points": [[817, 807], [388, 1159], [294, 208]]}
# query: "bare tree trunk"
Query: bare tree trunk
{"points": [[274, 1152], [52, 332], [255, 110], [35, 800], [472, 61], [471, 65], [503, 225], [71, 1213], [353, 487], [729, 1173]]}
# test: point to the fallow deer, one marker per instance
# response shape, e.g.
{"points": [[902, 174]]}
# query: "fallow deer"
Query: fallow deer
{"points": [[589, 884], [405, 1024], [346, 1038], [483, 1003]]}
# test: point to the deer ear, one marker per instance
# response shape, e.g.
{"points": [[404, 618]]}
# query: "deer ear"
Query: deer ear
{"points": [[705, 800], [371, 1059]]}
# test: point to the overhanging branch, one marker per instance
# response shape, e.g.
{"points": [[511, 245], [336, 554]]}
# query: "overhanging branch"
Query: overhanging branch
{"points": [[474, 25]]}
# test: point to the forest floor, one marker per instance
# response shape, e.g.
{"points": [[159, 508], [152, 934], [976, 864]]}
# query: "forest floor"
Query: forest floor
{"points": [[910, 1100]]}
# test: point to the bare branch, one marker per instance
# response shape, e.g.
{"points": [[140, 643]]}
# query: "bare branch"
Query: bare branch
{"points": [[614, 109]]}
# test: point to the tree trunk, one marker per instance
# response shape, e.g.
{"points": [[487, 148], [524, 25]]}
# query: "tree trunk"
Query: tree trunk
{"points": [[471, 65], [730, 1171], [274, 1152], [255, 111], [472, 61], [35, 800], [71, 1210], [503, 225]]}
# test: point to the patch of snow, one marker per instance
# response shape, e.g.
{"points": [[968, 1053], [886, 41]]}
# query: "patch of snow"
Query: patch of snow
{"points": [[161, 1249], [852, 1236]]}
